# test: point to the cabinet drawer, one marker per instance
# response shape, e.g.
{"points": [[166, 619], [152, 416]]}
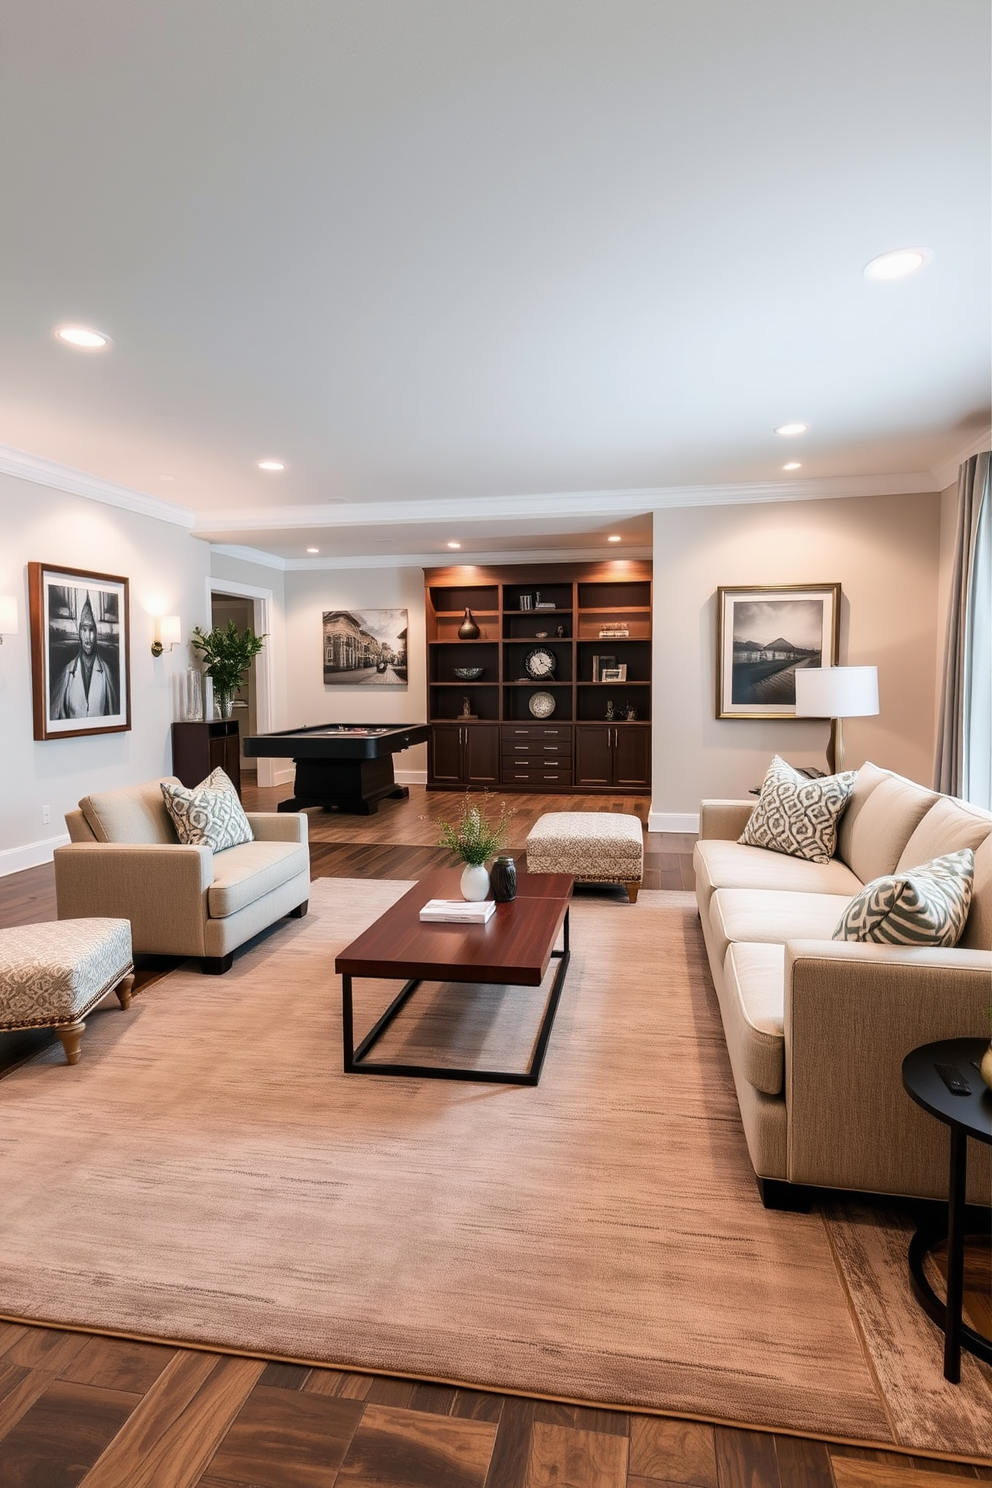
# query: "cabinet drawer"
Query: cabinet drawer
{"points": [[533, 774], [517, 733], [537, 749]]}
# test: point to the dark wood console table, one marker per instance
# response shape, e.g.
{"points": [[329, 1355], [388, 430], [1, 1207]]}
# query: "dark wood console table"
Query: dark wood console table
{"points": [[198, 748]]}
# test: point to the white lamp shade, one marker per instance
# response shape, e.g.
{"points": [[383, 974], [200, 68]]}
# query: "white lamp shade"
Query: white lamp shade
{"points": [[8, 615], [836, 692], [170, 630]]}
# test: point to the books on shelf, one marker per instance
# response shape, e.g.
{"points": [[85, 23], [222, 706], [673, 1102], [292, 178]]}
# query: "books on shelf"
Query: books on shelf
{"points": [[459, 911], [613, 632]]}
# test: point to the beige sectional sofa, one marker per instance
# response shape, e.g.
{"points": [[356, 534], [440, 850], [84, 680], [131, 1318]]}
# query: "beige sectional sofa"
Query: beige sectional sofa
{"points": [[125, 860], [817, 1029]]}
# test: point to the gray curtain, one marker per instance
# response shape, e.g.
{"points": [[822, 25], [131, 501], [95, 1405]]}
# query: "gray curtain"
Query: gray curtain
{"points": [[964, 735]]}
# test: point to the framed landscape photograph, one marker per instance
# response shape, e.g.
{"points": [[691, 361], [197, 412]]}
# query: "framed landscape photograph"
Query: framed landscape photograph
{"points": [[80, 674], [765, 635], [365, 647]]}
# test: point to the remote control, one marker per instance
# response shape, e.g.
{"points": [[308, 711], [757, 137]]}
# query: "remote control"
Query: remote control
{"points": [[953, 1079]]}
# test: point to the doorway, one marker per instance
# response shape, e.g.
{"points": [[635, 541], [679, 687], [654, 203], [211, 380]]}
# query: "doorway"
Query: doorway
{"points": [[236, 607]]}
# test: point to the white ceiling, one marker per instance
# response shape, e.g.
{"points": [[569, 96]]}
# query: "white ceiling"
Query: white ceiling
{"points": [[454, 260]]}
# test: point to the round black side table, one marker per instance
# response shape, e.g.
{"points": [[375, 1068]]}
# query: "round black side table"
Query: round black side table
{"points": [[967, 1115]]}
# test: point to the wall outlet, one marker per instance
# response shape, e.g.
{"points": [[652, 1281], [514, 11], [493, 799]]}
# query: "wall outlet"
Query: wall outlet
{"points": [[46, 815]]}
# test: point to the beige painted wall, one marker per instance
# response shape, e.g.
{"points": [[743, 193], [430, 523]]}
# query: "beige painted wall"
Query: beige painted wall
{"points": [[885, 553], [167, 573], [308, 595]]}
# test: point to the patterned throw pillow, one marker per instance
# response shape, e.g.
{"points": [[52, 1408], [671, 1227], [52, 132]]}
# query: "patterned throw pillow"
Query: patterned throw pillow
{"points": [[798, 816], [210, 814], [920, 906]]}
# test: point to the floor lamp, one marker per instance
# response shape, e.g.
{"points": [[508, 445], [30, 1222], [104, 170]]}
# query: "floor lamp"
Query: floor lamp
{"points": [[836, 693]]}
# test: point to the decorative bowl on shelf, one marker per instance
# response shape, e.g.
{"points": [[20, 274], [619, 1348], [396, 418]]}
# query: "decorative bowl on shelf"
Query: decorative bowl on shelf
{"points": [[468, 674]]}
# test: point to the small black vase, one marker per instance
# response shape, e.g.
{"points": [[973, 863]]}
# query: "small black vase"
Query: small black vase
{"points": [[468, 630], [503, 879]]}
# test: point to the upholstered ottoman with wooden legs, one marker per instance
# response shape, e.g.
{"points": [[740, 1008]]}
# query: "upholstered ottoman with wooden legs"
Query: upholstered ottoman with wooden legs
{"points": [[593, 846], [52, 974]]}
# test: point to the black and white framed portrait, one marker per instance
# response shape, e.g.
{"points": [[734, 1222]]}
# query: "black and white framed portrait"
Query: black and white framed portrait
{"points": [[765, 635], [79, 652]]}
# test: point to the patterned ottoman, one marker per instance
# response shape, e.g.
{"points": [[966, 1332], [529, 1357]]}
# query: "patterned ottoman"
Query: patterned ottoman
{"points": [[51, 974], [593, 846]]}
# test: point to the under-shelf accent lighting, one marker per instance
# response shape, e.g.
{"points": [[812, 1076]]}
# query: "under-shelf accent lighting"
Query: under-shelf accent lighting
{"points": [[614, 537], [790, 429], [898, 264], [8, 616], [168, 632], [454, 544], [271, 465], [84, 338]]}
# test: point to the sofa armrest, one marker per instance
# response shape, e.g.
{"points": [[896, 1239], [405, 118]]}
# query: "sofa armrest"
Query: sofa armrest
{"points": [[723, 820], [274, 826], [852, 1013], [161, 888]]}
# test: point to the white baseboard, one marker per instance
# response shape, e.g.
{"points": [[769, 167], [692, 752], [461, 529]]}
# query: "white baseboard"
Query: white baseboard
{"points": [[411, 777], [284, 776], [16, 859], [673, 821]]}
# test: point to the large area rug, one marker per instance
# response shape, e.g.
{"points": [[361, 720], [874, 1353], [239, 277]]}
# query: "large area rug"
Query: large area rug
{"points": [[208, 1174]]}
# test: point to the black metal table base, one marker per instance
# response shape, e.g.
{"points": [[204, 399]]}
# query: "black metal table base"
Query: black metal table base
{"points": [[356, 1062]]}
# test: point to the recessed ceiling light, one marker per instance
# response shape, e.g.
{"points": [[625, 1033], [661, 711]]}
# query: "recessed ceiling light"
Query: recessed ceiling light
{"points": [[454, 545], [167, 477], [788, 429], [313, 550], [83, 337], [613, 537], [897, 264], [792, 465], [271, 465]]}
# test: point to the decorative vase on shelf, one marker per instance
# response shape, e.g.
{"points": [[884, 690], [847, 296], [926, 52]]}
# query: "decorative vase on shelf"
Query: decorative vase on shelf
{"points": [[225, 704], [468, 630], [503, 878], [192, 695], [986, 1066], [474, 881]]}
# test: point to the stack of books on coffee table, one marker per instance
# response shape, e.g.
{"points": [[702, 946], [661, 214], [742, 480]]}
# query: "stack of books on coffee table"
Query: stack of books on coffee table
{"points": [[459, 911]]}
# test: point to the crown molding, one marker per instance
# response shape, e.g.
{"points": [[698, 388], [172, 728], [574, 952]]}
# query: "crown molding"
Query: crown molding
{"points": [[946, 473], [249, 555], [423, 560], [608, 503], [44, 472]]}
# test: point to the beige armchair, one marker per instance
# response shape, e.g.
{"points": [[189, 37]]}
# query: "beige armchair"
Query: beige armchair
{"points": [[125, 861]]}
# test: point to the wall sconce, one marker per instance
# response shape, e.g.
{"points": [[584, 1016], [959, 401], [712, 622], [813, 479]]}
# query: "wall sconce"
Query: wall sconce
{"points": [[8, 616], [168, 632]]}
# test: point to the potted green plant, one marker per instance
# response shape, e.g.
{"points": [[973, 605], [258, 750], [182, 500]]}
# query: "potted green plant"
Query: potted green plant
{"points": [[227, 654], [473, 839]]}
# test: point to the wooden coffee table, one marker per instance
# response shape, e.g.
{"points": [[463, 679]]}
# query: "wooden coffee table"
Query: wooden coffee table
{"points": [[514, 949]]}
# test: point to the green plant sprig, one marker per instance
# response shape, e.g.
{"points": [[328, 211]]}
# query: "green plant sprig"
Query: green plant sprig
{"points": [[227, 653], [474, 838]]}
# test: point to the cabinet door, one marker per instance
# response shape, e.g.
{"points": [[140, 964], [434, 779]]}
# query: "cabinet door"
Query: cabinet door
{"points": [[631, 756], [593, 754], [446, 753], [482, 753]]}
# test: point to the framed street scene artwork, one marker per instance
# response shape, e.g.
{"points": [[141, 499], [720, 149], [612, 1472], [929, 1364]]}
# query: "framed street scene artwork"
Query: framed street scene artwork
{"points": [[80, 674], [765, 635], [365, 647]]}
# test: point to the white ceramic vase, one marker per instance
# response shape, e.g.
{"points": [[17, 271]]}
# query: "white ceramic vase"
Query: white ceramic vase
{"points": [[475, 881]]}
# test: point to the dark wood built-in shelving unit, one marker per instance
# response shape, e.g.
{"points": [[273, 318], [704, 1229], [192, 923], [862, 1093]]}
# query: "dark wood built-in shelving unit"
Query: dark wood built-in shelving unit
{"points": [[499, 741], [198, 748]]}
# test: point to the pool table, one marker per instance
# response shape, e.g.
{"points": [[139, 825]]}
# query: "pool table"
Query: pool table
{"points": [[340, 766]]}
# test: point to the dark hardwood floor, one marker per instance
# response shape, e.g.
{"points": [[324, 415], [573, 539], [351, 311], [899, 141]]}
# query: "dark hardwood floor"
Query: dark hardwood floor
{"points": [[82, 1409]]}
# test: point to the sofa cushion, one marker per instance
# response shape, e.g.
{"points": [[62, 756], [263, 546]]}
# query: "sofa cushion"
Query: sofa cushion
{"points": [[868, 777], [731, 865], [754, 1013], [978, 931], [134, 813], [948, 825], [884, 825], [248, 872], [798, 816], [209, 815], [920, 906], [773, 916]]}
